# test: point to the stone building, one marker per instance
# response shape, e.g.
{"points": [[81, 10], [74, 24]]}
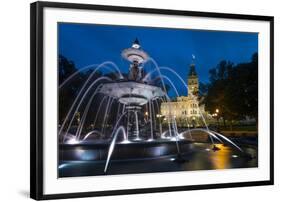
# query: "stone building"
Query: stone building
{"points": [[186, 109]]}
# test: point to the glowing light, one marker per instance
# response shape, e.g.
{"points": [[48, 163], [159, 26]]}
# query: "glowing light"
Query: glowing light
{"points": [[137, 139], [62, 166], [180, 136], [234, 156], [72, 141], [125, 142], [207, 149]]}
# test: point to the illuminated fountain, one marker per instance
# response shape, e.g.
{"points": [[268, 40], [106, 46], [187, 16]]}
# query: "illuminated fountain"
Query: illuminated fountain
{"points": [[133, 93], [135, 130]]}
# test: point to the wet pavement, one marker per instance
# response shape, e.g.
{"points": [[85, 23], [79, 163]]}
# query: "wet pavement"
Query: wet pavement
{"points": [[201, 157]]}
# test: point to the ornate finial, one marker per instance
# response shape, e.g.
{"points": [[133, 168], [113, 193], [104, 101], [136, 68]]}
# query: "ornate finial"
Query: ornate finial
{"points": [[193, 57], [136, 44], [135, 53]]}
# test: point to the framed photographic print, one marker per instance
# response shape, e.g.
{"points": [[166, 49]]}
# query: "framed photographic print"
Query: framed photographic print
{"points": [[134, 100]]}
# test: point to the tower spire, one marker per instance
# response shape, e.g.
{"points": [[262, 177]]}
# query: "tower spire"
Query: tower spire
{"points": [[192, 71], [192, 78]]}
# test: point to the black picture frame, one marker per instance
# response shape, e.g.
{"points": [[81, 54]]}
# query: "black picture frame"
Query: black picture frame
{"points": [[37, 99]]}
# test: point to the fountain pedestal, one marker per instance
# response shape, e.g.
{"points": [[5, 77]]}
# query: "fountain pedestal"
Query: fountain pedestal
{"points": [[133, 95]]}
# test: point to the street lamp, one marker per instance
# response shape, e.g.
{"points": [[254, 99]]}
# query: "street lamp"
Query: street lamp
{"points": [[78, 117], [217, 116], [146, 116], [159, 116]]}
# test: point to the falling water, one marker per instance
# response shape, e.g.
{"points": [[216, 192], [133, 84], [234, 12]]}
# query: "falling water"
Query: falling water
{"points": [[99, 66], [81, 100]]}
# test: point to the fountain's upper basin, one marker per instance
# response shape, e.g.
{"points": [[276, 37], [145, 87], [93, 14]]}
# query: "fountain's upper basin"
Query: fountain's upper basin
{"points": [[132, 92]]}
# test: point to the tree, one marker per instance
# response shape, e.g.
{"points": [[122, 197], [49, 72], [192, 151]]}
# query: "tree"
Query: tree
{"points": [[233, 89], [71, 88], [67, 92], [242, 91], [216, 96]]}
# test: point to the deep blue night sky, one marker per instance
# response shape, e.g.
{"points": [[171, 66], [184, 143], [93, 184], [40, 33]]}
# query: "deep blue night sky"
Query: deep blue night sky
{"points": [[87, 44]]}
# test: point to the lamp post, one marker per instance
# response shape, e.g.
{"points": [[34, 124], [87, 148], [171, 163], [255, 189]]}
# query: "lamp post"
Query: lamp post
{"points": [[159, 116], [78, 117], [146, 115], [217, 116]]}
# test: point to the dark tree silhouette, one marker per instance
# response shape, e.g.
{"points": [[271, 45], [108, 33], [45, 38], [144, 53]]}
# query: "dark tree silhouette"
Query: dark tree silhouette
{"points": [[233, 89], [67, 94], [71, 88]]}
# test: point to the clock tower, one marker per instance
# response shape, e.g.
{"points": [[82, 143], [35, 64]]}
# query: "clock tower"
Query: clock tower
{"points": [[192, 79]]}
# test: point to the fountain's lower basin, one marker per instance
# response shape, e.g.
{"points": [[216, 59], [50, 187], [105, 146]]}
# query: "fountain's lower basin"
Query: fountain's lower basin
{"points": [[128, 150], [200, 156]]}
